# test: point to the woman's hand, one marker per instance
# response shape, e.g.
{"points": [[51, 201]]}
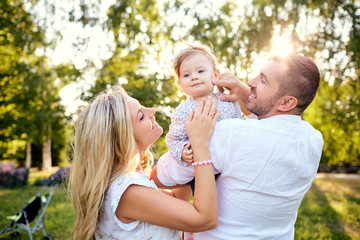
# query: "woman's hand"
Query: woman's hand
{"points": [[200, 125]]}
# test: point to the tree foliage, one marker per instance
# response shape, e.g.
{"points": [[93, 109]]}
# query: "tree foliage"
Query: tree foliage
{"points": [[29, 96], [138, 39], [18, 41], [238, 33], [143, 30]]}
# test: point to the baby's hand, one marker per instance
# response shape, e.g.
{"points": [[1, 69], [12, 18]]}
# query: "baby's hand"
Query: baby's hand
{"points": [[187, 154]]}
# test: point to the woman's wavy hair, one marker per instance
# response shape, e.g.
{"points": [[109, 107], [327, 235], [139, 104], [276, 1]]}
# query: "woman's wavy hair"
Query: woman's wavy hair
{"points": [[104, 149]]}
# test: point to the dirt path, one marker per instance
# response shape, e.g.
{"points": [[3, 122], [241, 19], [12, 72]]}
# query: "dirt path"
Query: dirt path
{"points": [[338, 175]]}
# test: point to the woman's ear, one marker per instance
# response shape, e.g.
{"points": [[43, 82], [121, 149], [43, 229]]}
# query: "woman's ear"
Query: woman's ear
{"points": [[288, 103]]}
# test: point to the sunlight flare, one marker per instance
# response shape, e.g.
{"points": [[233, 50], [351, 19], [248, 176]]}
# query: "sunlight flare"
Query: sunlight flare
{"points": [[282, 45]]}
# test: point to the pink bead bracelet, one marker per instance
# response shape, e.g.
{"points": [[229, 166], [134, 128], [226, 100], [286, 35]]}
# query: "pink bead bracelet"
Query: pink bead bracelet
{"points": [[202, 163]]}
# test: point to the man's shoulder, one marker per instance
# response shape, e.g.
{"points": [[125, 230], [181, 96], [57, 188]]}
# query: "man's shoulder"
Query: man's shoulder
{"points": [[291, 125], [239, 122], [288, 125], [314, 132], [231, 125]]}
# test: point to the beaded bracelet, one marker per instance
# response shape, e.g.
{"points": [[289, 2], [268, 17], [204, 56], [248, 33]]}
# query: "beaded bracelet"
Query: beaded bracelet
{"points": [[202, 163]]}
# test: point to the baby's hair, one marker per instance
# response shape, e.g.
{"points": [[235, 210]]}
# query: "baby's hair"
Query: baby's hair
{"points": [[189, 51]]}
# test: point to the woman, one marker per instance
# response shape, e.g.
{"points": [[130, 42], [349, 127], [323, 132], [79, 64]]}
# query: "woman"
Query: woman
{"points": [[111, 192]]}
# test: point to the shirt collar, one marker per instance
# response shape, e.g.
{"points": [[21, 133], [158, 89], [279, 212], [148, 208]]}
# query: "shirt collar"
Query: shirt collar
{"points": [[291, 117]]}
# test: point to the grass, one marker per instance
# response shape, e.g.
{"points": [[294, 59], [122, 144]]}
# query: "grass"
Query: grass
{"points": [[59, 215], [330, 210]]}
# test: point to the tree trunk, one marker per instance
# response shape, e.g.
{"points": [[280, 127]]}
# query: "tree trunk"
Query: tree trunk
{"points": [[46, 153], [28, 155]]}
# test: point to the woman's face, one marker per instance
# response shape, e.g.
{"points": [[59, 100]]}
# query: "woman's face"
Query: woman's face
{"points": [[146, 129]]}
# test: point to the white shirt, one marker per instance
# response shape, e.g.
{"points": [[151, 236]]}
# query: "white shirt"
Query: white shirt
{"points": [[110, 227], [266, 168]]}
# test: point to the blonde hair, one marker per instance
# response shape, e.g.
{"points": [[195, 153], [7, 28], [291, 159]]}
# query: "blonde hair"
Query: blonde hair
{"points": [[104, 149], [189, 51]]}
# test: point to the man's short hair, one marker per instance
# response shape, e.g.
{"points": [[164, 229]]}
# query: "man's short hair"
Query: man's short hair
{"points": [[301, 80]]}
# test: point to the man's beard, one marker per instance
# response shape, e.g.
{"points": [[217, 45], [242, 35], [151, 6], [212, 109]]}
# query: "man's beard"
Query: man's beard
{"points": [[262, 108]]}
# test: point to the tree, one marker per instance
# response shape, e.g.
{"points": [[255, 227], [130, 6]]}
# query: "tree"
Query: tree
{"points": [[238, 33], [18, 41], [138, 40], [338, 99], [30, 85]]}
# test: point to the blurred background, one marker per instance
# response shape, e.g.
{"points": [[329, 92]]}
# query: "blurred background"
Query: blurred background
{"points": [[56, 55]]}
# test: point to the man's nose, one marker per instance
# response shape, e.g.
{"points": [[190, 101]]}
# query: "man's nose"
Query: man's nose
{"points": [[252, 83]]}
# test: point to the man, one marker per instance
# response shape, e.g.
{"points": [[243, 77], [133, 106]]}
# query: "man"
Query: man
{"points": [[266, 165]]}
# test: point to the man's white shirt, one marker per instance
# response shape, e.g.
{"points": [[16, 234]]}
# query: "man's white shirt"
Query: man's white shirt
{"points": [[266, 168]]}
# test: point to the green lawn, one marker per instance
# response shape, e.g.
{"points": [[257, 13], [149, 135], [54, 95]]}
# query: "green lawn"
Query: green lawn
{"points": [[58, 218], [330, 210]]}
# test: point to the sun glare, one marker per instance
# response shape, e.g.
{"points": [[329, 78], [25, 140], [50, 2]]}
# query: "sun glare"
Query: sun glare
{"points": [[281, 45]]}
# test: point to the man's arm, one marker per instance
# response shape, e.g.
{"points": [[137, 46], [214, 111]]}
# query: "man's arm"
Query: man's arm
{"points": [[238, 90], [243, 108], [168, 173], [154, 177], [182, 192]]}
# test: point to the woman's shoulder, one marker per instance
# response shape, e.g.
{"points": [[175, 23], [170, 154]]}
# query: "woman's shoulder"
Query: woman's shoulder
{"points": [[110, 227], [132, 178]]}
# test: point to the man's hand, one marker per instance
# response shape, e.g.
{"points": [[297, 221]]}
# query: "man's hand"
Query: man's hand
{"points": [[187, 154], [238, 90]]}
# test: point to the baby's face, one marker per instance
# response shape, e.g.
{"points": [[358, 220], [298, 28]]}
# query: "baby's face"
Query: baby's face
{"points": [[195, 75]]}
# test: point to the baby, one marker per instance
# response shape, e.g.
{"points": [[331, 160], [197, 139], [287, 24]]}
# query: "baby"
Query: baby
{"points": [[195, 68]]}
